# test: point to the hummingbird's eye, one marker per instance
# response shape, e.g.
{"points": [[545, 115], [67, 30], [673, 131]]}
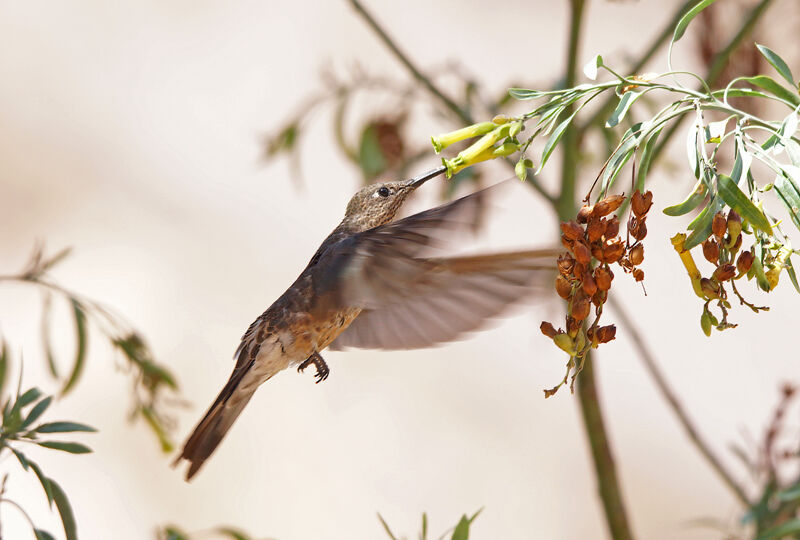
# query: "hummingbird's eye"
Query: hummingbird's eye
{"points": [[383, 192]]}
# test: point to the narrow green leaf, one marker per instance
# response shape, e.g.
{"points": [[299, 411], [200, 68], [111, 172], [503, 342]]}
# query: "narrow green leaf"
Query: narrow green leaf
{"points": [[646, 158], [173, 533], [71, 447], [792, 276], [789, 195], [758, 267], [551, 143], [701, 225], [777, 62], [45, 332], [692, 153], [42, 535], [736, 199], [621, 156], [691, 202], [81, 337], [590, 69], [790, 494], [424, 526], [524, 93], [4, 361], [233, 533], [64, 508], [625, 102], [386, 527], [716, 130], [64, 427], [461, 531], [773, 87], [27, 398], [36, 412], [46, 482], [680, 29], [20, 457], [783, 530]]}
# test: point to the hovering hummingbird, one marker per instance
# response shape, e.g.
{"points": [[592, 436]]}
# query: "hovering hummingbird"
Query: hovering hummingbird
{"points": [[371, 284]]}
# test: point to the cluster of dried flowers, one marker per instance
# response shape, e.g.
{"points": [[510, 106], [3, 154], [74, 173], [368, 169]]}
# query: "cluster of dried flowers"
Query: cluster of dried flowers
{"points": [[585, 275], [722, 249]]}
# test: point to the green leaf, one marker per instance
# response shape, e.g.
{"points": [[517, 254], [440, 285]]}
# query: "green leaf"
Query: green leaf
{"points": [[692, 153], [155, 423], [691, 202], [791, 494], [736, 199], [758, 267], [783, 530], [551, 143], [42, 535], [716, 130], [701, 225], [621, 156], [792, 277], [647, 157], [71, 447], [64, 427], [590, 69], [45, 331], [680, 29], [790, 197], [174, 533], [4, 361], [625, 102], [233, 533], [20, 457], [386, 527], [424, 526], [524, 93], [27, 398], [64, 508], [461, 531], [773, 87], [47, 486], [80, 352], [778, 63], [36, 412]]}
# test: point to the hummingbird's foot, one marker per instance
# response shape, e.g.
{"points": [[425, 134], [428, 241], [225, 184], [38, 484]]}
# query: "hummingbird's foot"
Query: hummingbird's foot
{"points": [[322, 368]]}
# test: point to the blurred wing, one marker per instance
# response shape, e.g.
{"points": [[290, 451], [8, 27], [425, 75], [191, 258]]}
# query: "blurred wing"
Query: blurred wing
{"points": [[416, 303]]}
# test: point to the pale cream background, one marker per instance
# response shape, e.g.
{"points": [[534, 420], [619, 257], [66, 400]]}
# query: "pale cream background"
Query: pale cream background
{"points": [[131, 133]]}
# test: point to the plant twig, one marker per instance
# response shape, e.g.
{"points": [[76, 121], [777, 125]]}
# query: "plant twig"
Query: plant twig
{"points": [[406, 61], [672, 400]]}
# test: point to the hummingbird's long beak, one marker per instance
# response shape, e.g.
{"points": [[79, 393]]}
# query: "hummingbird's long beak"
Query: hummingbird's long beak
{"points": [[417, 181]]}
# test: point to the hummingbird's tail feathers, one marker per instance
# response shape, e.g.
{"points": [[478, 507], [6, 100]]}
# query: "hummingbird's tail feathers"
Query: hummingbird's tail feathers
{"points": [[217, 421]]}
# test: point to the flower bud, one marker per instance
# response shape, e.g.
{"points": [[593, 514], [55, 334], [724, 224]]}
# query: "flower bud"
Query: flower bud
{"points": [[636, 254], [548, 329], [734, 225], [711, 251], [608, 205], [582, 253], [571, 230], [612, 228], [640, 204], [612, 251], [595, 229], [744, 262], [724, 272], [584, 213], [719, 225], [603, 277], [563, 288], [589, 286], [710, 289]]}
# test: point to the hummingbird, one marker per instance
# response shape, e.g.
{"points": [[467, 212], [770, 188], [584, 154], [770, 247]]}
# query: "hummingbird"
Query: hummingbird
{"points": [[371, 284]]}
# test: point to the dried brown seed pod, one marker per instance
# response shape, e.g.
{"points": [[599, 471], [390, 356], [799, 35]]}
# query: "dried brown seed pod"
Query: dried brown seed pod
{"points": [[603, 277], [638, 274], [581, 305], [589, 286], [612, 251], [584, 213], [744, 262], [640, 204], [582, 253], [719, 225], [612, 228], [636, 254], [710, 288], [608, 205], [637, 228], [711, 251], [597, 251], [724, 272], [565, 264], [605, 334], [599, 298], [548, 329], [571, 230], [563, 287], [573, 325], [595, 229]]}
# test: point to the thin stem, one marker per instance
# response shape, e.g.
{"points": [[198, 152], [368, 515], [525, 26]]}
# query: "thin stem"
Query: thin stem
{"points": [[406, 61], [672, 400]]}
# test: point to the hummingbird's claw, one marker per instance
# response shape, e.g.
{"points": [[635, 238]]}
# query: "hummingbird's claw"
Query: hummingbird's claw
{"points": [[322, 368]]}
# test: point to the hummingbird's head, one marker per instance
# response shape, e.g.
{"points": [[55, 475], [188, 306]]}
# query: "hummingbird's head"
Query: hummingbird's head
{"points": [[377, 204]]}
